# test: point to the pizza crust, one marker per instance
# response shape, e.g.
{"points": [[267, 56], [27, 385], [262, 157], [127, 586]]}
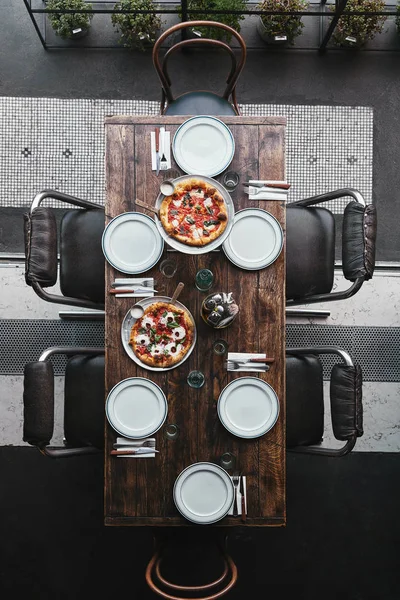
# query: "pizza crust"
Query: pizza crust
{"points": [[162, 360]]}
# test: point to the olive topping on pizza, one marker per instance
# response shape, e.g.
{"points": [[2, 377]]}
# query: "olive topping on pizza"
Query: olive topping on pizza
{"points": [[162, 336], [195, 214]]}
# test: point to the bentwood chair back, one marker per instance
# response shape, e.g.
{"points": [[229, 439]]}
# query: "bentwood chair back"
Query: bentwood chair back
{"points": [[199, 102], [310, 247], [84, 397], [305, 401], [81, 273]]}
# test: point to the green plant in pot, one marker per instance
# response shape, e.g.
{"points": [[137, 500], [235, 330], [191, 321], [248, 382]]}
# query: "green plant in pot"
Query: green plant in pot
{"points": [[398, 18], [69, 25], [355, 30], [138, 31], [233, 20], [280, 28]]}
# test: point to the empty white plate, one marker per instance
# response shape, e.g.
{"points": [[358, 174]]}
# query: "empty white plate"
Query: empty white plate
{"points": [[248, 407], [203, 493], [136, 407], [131, 243], [255, 240], [203, 145]]}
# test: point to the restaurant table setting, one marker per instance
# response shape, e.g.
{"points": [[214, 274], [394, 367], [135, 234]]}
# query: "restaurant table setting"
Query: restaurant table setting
{"points": [[247, 407]]}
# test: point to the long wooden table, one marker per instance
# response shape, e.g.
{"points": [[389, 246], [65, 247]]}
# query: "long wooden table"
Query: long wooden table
{"points": [[139, 491]]}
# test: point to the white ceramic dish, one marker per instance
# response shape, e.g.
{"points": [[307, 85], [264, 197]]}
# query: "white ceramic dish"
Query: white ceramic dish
{"points": [[215, 243], [136, 407], [203, 493], [248, 407], [255, 240], [129, 321], [203, 145], [132, 243]]}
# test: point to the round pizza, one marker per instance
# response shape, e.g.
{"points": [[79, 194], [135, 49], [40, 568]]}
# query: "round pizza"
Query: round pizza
{"points": [[163, 335], [195, 214]]}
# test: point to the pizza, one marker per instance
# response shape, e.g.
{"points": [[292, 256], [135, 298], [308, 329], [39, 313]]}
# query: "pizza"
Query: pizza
{"points": [[163, 335], [195, 214]]}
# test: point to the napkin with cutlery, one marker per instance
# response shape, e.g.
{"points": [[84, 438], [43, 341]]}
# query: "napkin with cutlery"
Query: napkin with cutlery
{"points": [[265, 193], [167, 148], [125, 444], [238, 497], [246, 366], [138, 287]]}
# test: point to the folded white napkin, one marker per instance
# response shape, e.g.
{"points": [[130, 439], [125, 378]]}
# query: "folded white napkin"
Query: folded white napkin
{"points": [[239, 499], [135, 281], [123, 440], [167, 149], [264, 194], [244, 356]]}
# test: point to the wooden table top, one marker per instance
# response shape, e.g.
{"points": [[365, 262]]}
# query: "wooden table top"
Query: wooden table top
{"points": [[139, 491]]}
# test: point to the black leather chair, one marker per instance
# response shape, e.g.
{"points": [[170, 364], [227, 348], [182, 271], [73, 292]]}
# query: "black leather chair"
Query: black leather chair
{"points": [[199, 102], [84, 398], [81, 257], [310, 247], [305, 401]]}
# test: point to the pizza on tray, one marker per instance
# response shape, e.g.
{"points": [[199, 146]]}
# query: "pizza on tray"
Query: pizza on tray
{"points": [[195, 214], [163, 335]]}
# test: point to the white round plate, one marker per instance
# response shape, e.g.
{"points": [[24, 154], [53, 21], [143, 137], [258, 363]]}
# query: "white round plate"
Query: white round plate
{"points": [[248, 407], [131, 243], [129, 321], [255, 240], [184, 248], [203, 493], [136, 407], [203, 145]]}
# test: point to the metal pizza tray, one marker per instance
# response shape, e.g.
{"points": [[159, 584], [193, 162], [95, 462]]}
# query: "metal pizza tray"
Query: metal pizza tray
{"points": [[129, 321], [215, 243]]}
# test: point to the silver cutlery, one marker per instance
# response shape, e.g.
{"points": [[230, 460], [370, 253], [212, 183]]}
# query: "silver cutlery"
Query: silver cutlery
{"points": [[253, 191], [134, 444], [232, 366], [235, 481], [157, 150], [243, 497], [128, 451], [163, 161], [132, 282], [130, 290], [261, 184]]}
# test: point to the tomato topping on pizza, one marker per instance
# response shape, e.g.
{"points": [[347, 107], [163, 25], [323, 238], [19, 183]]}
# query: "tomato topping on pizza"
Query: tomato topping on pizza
{"points": [[195, 214], [163, 335]]}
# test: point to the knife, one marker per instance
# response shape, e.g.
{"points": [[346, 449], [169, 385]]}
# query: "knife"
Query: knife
{"points": [[260, 184], [131, 290], [242, 484], [157, 150], [139, 450]]}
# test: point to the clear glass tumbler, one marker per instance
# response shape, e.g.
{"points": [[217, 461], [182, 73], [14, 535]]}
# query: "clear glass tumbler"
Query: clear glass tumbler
{"points": [[230, 180], [196, 379], [168, 267], [220, 347]]}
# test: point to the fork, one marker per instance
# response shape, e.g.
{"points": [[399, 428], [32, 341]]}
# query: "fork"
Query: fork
{"points": [[235, 481], [163, 161], [136, 444], [262, 362], [131, 283], [253, 191]]}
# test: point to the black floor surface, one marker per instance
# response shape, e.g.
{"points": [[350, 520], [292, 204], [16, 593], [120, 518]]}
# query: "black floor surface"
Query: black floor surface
{"points": [[289, 77], [341, 540]]}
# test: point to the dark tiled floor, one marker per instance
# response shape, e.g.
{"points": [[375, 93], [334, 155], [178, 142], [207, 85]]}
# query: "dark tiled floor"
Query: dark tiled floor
{"points": [[291, 77]]}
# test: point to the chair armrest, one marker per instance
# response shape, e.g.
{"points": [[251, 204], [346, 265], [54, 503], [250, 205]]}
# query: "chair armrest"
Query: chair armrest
{"points": [[40, 232], [358, 241], [63, 198], [346, 402], [38, 403], [358, 197]]}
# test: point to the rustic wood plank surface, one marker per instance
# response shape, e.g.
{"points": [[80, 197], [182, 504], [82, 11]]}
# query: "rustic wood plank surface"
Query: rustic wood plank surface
{"points": [[139, 491]]}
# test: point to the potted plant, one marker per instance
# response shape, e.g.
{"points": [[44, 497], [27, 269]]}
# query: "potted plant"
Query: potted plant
{"points": [[355, 30], [398, 18], [69, 25], [233, 20], [138, 31], [280, 29]]}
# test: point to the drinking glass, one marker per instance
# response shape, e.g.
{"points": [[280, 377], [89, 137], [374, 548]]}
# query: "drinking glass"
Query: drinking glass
{"points": [[204, 279], [171, 431], [220, 347], [168, 267], [195, 379], [230, 180]]}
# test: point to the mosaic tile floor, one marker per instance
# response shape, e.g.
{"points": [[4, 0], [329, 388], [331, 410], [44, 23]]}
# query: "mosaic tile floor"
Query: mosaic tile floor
{"points": [[59, 144]]}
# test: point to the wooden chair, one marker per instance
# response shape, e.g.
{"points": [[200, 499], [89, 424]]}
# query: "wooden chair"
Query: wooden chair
{"points": [[84, 396], [81, 273], [305, 401], [310, 247], [199, 102]]}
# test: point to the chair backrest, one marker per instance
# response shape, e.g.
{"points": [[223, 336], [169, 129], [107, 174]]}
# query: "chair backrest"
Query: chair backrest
{"points": [[84, 393], [236, 64]]}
